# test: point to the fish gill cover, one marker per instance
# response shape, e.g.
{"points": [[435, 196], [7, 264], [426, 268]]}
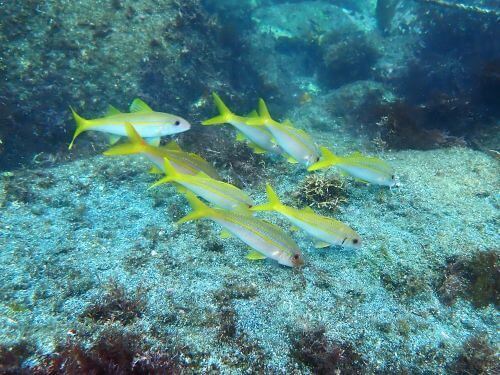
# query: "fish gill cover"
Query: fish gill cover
{"points": [[97, 277]]}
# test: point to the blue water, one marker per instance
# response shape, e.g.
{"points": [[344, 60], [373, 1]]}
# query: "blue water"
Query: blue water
{"points": [[97, 277]]}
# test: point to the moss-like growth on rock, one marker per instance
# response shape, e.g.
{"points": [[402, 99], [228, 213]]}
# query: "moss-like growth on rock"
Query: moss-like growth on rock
{"points": [[476, 279], [312, 348], [321, 191]]}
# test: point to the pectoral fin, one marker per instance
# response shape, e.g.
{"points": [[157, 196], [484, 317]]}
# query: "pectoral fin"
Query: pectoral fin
{"points": [[255, 255], [291, 160]]}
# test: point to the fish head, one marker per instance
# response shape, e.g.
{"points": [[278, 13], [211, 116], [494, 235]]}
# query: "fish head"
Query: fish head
{"points": [[296, 260], [311, 159], [389, 180], [172, 124], [352, 240]]}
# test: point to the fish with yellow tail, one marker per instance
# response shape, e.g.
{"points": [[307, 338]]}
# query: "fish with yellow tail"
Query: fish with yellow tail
{"points": [[257, 137], [295, 142], [148, 123], [325, 230], [364, 168], [219, 193], [184, 162], [266, 239]]}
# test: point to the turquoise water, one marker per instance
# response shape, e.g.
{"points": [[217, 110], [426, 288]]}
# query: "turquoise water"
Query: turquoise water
{"points": [[97, 277]]}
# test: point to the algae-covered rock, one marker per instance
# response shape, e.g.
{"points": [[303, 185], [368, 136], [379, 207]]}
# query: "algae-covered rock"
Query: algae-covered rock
{"points": [[89, 54]]}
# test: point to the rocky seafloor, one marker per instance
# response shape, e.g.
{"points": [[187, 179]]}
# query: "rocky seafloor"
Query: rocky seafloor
{"points": [[91, 259]]}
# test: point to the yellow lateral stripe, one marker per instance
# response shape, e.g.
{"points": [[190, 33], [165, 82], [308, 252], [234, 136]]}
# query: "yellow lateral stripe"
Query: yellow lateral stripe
{"points": [[298, 140], [267, 238], [211, 189]]}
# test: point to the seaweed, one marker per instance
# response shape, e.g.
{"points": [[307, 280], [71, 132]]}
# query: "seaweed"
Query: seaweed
{"points": [[312, 348], [116, 305], [475, 278], [11, 357], [322, 191], [477, 357], [114, 352]]}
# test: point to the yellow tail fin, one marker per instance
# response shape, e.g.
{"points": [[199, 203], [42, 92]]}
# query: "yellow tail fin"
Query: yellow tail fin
{"points": [[135, 146], [200, 209], [225, 114], [274, 201], [171, 174], [81, 126], [328, 159]]}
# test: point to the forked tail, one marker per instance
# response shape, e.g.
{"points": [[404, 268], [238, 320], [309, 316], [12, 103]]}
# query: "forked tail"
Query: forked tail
{"points": [[135, 145], [328, 159], [200, 209], [225, 114], [274, 202]]}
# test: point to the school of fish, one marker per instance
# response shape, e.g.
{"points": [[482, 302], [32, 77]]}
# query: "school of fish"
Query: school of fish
{"points": [[232, 208]]}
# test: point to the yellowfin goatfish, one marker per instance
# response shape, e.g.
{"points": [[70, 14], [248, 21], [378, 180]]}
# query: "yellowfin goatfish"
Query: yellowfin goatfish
{"points": [[148, 123], [184, 162], [259, 139], [268, 240], [217, 192], [328, 231], [295, 142], [361, 167]]}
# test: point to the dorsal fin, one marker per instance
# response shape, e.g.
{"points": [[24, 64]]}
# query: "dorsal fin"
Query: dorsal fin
{"points": [[139, 106], [253, 114], [112, 111]]}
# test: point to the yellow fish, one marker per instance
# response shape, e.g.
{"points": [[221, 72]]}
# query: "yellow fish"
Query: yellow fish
{"points": [[221, 194], [259, 139], [361, 167], [326, 230], [295, 142], [268, 240], [184, 162], [148, 123]]}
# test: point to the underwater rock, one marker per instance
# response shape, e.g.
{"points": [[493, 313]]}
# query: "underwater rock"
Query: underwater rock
{"points": [[385, 13], [90, 56]]}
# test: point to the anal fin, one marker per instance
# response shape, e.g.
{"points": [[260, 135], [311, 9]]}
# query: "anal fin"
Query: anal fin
{"points": [[321, 244], [255, 255]]}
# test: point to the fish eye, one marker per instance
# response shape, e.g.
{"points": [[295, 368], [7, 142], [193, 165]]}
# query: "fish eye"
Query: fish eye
{"points": [[296, 257], [355, 241], [177, 123], [393, 177], [317, 159]]}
